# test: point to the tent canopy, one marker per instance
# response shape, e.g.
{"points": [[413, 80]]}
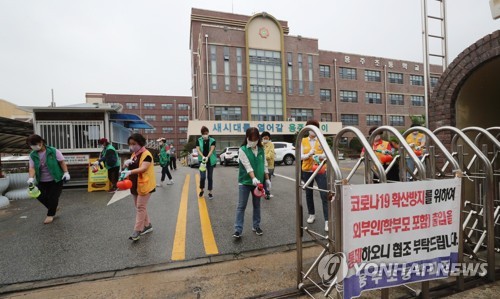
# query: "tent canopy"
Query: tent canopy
{"points": [[13, 134], [130, 121]]}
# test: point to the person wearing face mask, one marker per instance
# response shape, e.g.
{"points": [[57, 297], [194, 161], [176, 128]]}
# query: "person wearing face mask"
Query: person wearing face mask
{"points": [[310, 147], [48, 170], [252, 171], [383, 148], [207, 155], [416, 140], [109, 156], [164, 162], [270, 156], [140, 170]]}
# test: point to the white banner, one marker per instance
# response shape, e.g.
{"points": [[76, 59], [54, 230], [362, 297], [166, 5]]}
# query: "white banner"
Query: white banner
{"points": [[399, 225], [226, 127]]}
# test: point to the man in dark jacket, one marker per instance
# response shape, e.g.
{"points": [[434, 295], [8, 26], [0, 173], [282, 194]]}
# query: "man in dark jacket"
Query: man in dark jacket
{"points": [[109, 156]]}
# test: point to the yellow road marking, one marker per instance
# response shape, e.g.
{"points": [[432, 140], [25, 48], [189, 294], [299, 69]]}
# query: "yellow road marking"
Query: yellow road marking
{"points": [[206, 225], [179, 249]]}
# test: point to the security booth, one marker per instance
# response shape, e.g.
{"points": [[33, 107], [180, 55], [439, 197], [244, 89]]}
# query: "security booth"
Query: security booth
{"points": [[76, 129]]}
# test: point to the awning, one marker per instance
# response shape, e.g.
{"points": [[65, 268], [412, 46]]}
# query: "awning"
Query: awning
{"points": [[132, 121], [13, 134]]}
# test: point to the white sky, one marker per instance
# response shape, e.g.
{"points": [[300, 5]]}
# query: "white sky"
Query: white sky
{"points": [[142, 47]]}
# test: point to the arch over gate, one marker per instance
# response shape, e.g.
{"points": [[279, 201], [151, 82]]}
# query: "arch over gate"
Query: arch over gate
{"points": [[467, 88]]}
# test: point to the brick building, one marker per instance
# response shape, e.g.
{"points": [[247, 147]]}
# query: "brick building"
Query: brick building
{"points": [[169, 115], [250, 68]]}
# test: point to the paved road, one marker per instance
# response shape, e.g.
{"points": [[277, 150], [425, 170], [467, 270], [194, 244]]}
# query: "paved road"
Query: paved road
{"points": [[89, 237]]}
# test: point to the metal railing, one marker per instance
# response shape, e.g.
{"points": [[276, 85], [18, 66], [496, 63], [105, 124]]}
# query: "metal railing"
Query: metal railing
{"points": [[71, 135]]}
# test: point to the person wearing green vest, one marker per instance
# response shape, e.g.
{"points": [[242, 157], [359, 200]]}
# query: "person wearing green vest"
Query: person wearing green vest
{"points": [[164, 162], [207, 155], [252, 171], [109, 157], [48, 171]]}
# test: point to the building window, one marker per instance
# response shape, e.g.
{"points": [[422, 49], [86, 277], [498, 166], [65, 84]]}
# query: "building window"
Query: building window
{"points": [[183, 106], [149, 106], [169, 141], [310, 70], [417, 80], [301, 114], [150, 131], [373, 98], [348, 73], [324, 71], [301, 80], [183, 141], [326, 117], [239, 69], [167, 118], [349, 119], [266, 99], [227, 78], [183, 129], [372, 76], [348, 96], [434, 81], [325, 95], [213, 66], [167, 130], [227, 113], [132, 105], [167, 106], [395, 78], [374, 120], [396, 99], [290, 72], [417, 101], [150, 117], [397, 120], [183, 118]]}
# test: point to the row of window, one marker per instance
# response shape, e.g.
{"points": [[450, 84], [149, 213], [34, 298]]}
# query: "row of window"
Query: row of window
{"points": [[152, 106], [351, 96], [182, 141], [371, 120], [375, 76], [166, 117]]}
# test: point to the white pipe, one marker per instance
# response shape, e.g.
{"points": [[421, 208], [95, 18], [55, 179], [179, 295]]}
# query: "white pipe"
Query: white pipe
{"points": [[208, 79]]}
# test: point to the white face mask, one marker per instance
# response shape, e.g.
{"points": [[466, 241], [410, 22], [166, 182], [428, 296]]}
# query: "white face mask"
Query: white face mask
{"points": [[36, 147], [265, 141], [134, 148], [251, 143], [205, 137], [311, 134]]}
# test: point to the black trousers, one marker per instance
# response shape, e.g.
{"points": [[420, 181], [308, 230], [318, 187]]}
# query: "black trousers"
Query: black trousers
{"points": [[49, 196], [113, 175], [173, 163], [164, 170]]}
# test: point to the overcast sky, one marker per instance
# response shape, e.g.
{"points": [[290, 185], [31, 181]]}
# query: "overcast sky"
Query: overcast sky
{"points": [[142, 47]]}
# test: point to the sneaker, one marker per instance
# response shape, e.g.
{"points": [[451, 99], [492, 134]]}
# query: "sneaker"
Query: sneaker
{"points": [[210, 196], [171, 182], [48, 220], [159, 184], [271, 196], [136, 235], [326, 226], [201, 194], [147, 229], [258, 231], [311, 219], [237, 235]]}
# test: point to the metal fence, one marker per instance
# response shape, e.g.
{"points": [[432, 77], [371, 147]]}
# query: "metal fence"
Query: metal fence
{"points": [[71, 135]]}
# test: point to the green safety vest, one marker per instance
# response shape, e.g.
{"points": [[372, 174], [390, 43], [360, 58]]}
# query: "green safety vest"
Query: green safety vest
{"points": [[164, 156], [258, 165], [55, 169], [213, 157], [103, 154]]}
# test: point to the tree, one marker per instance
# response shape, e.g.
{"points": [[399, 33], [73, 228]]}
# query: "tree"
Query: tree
{"points": [[418, 119]]}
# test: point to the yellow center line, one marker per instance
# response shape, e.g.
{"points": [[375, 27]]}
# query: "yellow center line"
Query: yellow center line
{"points": [[206, 225], [179, 249]]}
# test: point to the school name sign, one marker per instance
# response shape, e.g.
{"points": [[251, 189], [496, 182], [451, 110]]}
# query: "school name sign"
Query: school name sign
{"points": [[273, 127], [411, 226]]}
